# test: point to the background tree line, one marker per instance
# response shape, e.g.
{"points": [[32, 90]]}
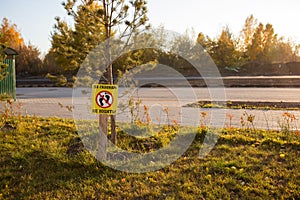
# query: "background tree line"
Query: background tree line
{"points": [[256, 43]]}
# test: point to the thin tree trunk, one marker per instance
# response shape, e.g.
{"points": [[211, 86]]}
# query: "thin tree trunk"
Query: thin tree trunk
{"points": [[113, 129], [102, 144], [109, 66], [112, 117]]}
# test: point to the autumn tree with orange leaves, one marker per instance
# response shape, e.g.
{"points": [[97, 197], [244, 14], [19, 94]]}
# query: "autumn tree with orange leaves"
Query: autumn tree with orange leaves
{"points": [[10, 35], [28, 61]]}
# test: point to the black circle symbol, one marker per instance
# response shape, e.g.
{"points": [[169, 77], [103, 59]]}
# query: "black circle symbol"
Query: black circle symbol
{"points": [[104, 99]]}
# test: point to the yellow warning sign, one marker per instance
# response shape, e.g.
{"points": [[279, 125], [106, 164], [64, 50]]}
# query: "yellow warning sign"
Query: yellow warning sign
{"points": [[104, 99]]}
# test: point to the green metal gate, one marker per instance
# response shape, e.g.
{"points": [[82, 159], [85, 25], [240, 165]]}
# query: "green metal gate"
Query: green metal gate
{"points": [[8, 84]]}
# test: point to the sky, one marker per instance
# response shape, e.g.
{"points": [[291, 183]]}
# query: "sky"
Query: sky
{"points": [[35, 18]]}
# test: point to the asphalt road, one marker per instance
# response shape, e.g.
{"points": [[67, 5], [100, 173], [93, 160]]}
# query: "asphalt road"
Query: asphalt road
{"points": [[58, 101], [238, 94]]}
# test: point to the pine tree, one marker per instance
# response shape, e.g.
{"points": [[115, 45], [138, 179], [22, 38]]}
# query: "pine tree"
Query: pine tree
{"points": [[70, 46], [225, 53], [270, 41], [263, 44], [256, 48], [247, 33]]}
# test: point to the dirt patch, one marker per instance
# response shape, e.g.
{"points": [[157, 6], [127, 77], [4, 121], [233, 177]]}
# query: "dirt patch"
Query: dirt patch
{"points": [[247, 105]]}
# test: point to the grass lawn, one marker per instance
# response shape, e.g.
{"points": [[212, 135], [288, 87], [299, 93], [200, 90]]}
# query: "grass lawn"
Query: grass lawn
{"points": [[42, 159]]}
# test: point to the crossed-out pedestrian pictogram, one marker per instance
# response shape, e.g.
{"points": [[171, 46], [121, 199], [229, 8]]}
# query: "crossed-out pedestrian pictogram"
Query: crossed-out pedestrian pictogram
{"points": [[104, 99]]}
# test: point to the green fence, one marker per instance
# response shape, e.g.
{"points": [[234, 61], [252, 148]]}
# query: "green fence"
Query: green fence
{"points": [[8, 84]]}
